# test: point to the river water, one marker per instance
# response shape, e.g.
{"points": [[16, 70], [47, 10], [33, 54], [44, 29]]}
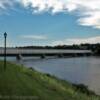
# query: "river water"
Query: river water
{"points": [[85, 70]]}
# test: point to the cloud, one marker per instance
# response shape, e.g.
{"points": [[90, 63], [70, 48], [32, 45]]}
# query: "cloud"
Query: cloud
{"points": [[34, 37], [88, 11], [44, 5], [4, 4], [91, 40], [92, 19]]}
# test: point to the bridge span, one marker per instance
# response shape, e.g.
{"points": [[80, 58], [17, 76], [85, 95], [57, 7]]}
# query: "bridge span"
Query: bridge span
{"points": [[19, 52]]}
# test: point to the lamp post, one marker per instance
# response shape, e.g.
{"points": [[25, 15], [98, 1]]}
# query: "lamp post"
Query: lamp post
{"points": [[5, 36]]}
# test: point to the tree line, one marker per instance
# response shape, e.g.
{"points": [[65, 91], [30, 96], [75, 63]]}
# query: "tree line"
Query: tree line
{"points": [[94, 47]]}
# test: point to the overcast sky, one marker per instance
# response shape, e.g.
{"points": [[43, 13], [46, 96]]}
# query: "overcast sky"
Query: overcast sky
{"points": [[49, 22]]}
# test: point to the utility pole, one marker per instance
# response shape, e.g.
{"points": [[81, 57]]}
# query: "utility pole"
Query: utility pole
{"points": [[5, 36]]}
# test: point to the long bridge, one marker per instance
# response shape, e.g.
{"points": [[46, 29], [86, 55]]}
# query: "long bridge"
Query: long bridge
{"points": [[20, 52]]}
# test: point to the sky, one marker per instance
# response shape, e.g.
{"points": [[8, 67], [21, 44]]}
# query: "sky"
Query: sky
{"points": [[49, 22]]}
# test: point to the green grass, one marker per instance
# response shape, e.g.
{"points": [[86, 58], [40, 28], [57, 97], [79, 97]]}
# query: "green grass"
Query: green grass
{"points": [[20, 81]]}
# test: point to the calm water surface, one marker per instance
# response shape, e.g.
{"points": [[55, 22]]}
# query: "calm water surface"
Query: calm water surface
{"points": [[84, 70]]}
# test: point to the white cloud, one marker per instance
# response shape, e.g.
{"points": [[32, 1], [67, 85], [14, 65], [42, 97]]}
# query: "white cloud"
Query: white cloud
{"points": [[91, 40], [43, 5], [34, 37], [88, 11]]}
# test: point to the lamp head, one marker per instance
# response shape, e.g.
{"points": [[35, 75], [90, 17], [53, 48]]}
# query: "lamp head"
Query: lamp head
{"points": [[5, 34]]}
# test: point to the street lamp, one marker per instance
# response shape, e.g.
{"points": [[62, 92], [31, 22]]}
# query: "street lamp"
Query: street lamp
{"points": [[5, 36]]}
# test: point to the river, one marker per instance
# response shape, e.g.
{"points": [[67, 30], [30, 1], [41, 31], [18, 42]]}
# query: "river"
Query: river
{"points": [[85, 70]]}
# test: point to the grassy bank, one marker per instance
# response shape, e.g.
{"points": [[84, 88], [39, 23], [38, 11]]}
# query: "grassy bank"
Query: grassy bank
{"points": [[20, 81]]}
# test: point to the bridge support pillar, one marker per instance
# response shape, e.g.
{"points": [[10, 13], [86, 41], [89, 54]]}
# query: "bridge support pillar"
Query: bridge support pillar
{"points": [[75, 55], [43, 56], [19, 57], [60, 55]]}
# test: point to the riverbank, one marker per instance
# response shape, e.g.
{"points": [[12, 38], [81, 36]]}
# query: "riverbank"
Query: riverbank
{"points": [[20, 82]]}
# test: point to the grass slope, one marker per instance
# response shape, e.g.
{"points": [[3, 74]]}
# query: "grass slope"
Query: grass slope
{"points": [[20, 81]]}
